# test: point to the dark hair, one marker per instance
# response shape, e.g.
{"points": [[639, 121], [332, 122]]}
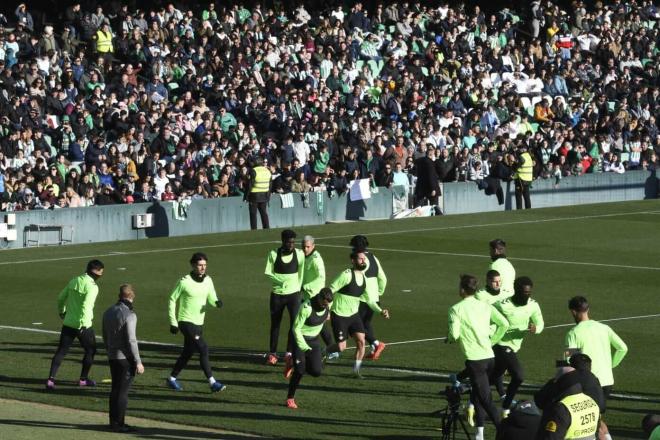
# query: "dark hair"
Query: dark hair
{"points": [[94, 265], [498, 243], [469, 284], [359, 242], [521, 282], [197, 257], [326, 294], [288, 234], [492, 274], [580, 361], [578, 304], [355, 253]]}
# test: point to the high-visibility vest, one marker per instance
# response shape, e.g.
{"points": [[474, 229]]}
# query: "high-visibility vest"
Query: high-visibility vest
{"points": [[525, 171], [104, 42], [261, 180], [584, 417]]}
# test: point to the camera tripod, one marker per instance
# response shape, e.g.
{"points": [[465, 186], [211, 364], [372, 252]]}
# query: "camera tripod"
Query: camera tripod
{"points": [[450, 420]]}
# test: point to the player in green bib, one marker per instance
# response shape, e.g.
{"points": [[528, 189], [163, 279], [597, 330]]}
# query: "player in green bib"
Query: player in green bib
{"points": [[75, 304], [349, 288], [503, 266], [312, 315], [285, 267], [596, 340], [314, 281], [524, 316], [188, 303], [469, 325]]}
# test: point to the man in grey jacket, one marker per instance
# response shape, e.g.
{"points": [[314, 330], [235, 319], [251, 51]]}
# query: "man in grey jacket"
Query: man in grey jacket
{"points": [[119, 323]]}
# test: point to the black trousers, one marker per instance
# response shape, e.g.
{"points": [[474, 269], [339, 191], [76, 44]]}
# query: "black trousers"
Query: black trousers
{"points": [[87, 340], [262, 207], [479, 372], [507, 360], [278, 303], [309, 362], [326, 335], [193, 342], [122, 372], [366, 314], [522, 192]]}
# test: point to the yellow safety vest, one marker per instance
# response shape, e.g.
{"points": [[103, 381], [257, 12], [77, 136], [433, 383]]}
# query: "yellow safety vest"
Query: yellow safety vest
{"points": [[104, 42], [584, 417], [261, 180], [525, 171]]}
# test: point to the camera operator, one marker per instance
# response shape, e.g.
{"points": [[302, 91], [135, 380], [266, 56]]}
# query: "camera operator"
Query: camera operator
{"points": [[469, 324], [571, 403]]}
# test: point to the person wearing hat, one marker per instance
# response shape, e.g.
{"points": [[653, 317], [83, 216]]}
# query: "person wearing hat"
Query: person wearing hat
{"points": [[570, 410]]}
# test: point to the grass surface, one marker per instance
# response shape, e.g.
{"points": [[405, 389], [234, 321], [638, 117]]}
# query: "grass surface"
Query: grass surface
{"points": [[609, 253]]}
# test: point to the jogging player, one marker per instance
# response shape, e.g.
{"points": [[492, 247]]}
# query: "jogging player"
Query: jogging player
{"points": [[314, 281], [502, 266], [492, 292], [596, 340], [285, 268], [348, 288], [307, 352], [376, 283], [193, 294], [524, 316], [75, 304], [469, 325]]}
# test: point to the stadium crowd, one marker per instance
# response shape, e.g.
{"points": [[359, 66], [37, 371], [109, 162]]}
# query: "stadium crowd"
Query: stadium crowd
{"points": [[118, 105]]}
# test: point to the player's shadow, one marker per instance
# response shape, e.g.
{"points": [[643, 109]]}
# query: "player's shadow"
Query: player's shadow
{"points": [[141, 432]]}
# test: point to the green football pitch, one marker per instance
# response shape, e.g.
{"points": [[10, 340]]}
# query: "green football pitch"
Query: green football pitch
{"points": [[610, 253]]}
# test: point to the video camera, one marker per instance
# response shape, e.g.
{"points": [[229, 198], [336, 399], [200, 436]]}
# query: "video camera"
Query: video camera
{"points": [[453, 394]]}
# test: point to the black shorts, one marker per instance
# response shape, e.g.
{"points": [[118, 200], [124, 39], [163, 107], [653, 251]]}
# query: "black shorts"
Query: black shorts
{"points": [[607, 390], [343, 326]]}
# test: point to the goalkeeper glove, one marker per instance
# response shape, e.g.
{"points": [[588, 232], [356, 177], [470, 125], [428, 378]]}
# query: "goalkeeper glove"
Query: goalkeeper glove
{"points": [[218, 303], [174, 329]]}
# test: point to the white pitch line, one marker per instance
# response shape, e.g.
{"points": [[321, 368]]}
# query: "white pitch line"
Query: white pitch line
{"points": [[395, 370], [446, 376], [405, 231], [548, 327], [534, 260]]}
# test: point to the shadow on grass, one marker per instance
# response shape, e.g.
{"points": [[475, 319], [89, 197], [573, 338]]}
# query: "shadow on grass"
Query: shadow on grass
{"points": [[281, 417], [141, 432]]}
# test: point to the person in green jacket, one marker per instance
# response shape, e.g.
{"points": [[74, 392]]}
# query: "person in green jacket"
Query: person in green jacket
{"points": [[309, 321], [502, 265], [469, 325], [285, 267], [596, 340], [191, 296], [349, 288], [375, 287], [525, 317], [314, 281], [492, 293], [75, 304]]}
